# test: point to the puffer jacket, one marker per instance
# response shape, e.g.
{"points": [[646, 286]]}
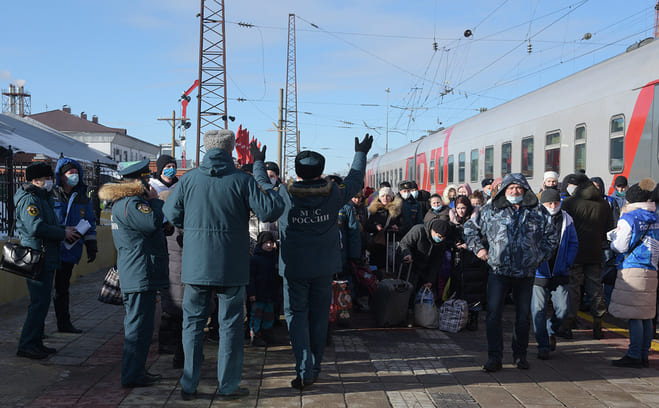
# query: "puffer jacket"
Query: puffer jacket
{"points": [[519, 240], [212, 204], [567, 251], [592, 219], [427, 255], [137, 232], [37, 224], [308, 227], [71, 208]]}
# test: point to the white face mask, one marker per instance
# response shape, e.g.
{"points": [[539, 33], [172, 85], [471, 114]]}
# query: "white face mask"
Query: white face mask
{"points": [[570, 189], [405, 195], [273, 180], [553, 211], [415, 194], [48, 186]]}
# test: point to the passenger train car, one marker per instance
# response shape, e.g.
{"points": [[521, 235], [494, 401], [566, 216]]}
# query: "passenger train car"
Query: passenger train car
{"points": [[604, 119]]}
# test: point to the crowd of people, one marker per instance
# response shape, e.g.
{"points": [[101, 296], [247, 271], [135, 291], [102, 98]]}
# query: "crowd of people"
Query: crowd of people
{"points": [[227, 248]]}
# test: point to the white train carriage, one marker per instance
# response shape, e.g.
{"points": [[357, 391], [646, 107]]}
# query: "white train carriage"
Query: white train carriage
{"points": [[603, 119]]}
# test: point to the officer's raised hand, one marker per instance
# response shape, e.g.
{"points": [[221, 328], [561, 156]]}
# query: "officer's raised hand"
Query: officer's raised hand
{"points": [[365, 144], [256, 153], [150, 194]]}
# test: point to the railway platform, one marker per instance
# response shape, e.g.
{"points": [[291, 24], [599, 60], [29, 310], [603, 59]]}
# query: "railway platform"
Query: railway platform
{"points": [[363, 367]]}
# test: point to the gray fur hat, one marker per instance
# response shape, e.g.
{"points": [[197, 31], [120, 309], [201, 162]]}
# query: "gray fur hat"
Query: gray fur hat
{"points": [[223, 139]]}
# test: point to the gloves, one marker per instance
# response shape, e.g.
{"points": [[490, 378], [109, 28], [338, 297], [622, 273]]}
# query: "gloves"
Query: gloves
{"points": [[256, 153], [92, 250], [365, 144]]}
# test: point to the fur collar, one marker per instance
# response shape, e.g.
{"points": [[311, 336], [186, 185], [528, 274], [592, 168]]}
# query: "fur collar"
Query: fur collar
{"points": [[302, 190], [394, 208], [116, 191], [629, 207]]}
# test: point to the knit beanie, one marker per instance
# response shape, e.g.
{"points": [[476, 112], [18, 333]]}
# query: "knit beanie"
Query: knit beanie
{"points": [[386, 191], [264, 236], [440, 226], [66, 167], [621, 181], [162, 161], [641, 191], [223, 139], [550, 195], [38, 170]]}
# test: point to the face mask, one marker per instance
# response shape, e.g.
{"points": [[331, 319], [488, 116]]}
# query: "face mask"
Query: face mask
{"points": [[48, 186], [453, 198], [514, 199], [552, 187], [72, 179], [487, 192], [273, 180], [570, 189], [436, 209], [437, 238], [415, 194], [620, 194], [405, 195], [553, 211], [169, 172]]}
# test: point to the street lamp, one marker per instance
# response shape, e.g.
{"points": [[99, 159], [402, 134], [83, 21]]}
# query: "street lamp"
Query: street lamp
{"points": [[386, 145]]}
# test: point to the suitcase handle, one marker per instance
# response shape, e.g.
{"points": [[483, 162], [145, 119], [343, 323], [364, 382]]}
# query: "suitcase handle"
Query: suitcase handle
{"points": [[409, 269]]}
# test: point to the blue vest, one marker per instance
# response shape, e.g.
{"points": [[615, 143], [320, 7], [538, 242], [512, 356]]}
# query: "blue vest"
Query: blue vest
{"points": [[645, 255]]}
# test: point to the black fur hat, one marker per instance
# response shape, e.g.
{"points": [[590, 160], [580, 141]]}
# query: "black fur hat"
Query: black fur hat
{"points": [[38, 170], [309, 164]]}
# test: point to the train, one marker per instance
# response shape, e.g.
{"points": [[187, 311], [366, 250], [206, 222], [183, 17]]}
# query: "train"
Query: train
{"points": [[603, 119]]}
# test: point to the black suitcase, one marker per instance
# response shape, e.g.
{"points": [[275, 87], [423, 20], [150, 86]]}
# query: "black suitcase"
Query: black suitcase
{"points": [[392, 300]]}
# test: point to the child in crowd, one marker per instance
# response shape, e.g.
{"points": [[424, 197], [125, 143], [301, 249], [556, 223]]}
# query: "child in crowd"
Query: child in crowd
{"points": [[262, 289]]}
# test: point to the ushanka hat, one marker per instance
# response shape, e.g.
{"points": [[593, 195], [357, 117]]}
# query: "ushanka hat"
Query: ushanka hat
{"points": [[309, 164], [223, 139], [37, 170], [406, 185]]}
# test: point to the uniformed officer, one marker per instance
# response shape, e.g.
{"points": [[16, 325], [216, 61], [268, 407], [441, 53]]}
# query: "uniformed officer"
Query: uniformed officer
{"points": [[37, 225], [311, 253], [142, 263], [412, 211]]}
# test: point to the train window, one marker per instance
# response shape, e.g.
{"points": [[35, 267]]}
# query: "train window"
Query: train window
{"points": [[527, 157], [461, 167], [580, 148], [410, 169], [489, 162], [553, 151], [617, 144], [450, 168], [506, 158], [440, 170], [431, 173], [473, 170]]}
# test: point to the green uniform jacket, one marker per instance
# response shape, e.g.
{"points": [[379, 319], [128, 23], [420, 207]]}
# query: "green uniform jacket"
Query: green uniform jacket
{"points": [[36, 222], [137, 231], [212, 204]]}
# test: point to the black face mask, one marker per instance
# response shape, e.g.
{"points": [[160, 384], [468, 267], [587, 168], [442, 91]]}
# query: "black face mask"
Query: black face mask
{"points": [[552, 187]]}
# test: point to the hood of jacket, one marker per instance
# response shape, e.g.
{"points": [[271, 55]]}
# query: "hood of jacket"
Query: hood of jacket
{"points": [[61, 162], [466, 186], [600, 184], [395, 208], [217, 162], [529, 200], [445, 193], [116, 191]]}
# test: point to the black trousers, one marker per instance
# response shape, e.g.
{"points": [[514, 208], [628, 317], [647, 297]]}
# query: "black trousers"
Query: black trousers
{"points": [[61, 298]]}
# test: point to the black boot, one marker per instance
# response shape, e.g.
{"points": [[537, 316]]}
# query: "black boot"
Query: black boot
{"points": [[61, 305], [597, 328]]}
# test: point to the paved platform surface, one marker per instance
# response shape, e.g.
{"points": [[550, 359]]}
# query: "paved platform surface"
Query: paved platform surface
{"points": [[364, 367]]}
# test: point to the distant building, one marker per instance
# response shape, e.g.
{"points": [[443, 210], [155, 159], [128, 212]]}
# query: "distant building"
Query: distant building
{"points": [[115, 143]]}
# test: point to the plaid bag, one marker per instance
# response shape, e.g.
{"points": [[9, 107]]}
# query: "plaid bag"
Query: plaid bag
{"points": [[110, 290], [341, 306], [453, 315]]}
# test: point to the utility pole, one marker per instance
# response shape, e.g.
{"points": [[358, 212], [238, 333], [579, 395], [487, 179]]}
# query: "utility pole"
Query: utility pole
{"points": [[173, 120], [291, 142], [280, 131], [386, 144]]}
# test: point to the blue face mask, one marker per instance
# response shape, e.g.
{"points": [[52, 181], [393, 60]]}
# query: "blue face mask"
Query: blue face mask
{"points": [[514, 200], [169, 172], [436, 209], [73, 179], [437, 238]]}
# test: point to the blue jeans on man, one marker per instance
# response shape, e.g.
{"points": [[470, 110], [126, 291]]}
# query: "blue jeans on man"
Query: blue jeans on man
{"points": [[306, 306], [32, 333], [542, 326], [640, 338], [138, 331], [196, 305], [498, 287]]}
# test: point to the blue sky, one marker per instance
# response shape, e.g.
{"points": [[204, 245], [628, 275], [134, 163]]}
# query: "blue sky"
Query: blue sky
{"points": [[128, 61]]}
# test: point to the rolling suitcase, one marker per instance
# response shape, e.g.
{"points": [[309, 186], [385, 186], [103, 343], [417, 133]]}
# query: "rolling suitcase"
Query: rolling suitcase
{"points": [[392, 300]]}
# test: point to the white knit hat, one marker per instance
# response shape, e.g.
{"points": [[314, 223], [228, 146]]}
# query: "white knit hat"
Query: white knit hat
{"points": [[550, 174], [223, 139], [386, 191]]}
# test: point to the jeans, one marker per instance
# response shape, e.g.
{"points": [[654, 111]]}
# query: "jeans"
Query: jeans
{"points": [[138, 331], [542, 326], [640, 338], [306, 306], [61, 298], [32, 333], [589, 275], [497, 289], [196, 303]]}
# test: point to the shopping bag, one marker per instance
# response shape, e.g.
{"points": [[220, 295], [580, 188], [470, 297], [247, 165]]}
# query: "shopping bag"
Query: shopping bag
{"points": [[341, 307], [110, 290], [426, 313], [453, 315]]}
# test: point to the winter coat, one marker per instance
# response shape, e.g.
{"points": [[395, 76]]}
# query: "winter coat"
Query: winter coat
{"points": [[519, 240], [37, 224], [568, 246], [412, 212], [592, 219], [137, 232], [172, 298], [71, 208], [379, 214], [350, 230], [443, 214], [447, 201], [635, 220], [427, 255], [160, 186], [634, 295], [309, 228], [263, 276], [212, 204]]}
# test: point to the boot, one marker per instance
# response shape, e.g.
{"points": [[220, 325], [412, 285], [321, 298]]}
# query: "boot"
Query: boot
{"points": [[597, 328], [166, 335], [61, 305], [472, 323]]}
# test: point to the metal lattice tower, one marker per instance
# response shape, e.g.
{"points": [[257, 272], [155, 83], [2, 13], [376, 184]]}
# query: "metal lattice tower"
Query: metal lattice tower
{"points": [[291, 137], [212, 96]]}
